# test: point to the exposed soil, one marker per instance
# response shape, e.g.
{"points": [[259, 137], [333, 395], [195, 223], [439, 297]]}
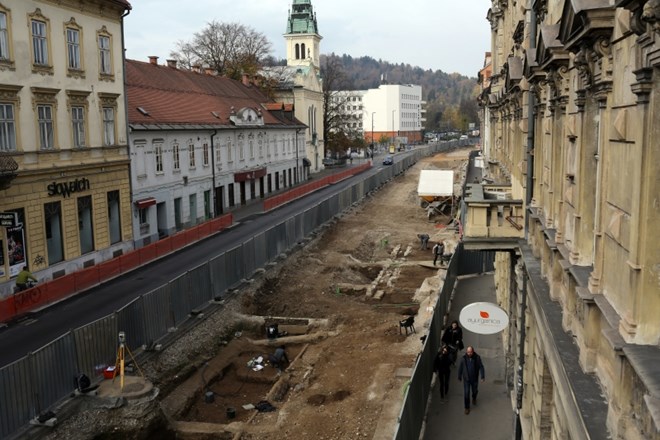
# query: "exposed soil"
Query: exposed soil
{"points": [[349, 357]]}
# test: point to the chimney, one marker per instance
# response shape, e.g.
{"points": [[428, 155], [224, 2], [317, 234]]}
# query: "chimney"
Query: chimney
{"points": [[197, 68], [209, 71], [246, 79], [171, 63], [153, 60]]}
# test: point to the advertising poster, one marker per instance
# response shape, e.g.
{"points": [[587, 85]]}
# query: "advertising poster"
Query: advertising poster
{"points": [[15, 249], [2, 258]]}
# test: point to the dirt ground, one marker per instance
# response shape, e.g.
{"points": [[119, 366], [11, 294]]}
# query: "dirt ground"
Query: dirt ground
{"points": [[342, 297]]}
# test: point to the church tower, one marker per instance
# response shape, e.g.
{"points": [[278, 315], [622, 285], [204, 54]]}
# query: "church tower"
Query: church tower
{"points": [[302, 35]]}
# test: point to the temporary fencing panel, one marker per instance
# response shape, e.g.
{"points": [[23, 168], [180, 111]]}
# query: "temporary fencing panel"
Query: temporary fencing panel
{"points": [[475, 262], [200, 286], [217, 268], [96, 345], [260, 253], [130, 320], [157, 313], [249, 257], [16, 405], [180, 299], [276, 241], [53, 370], [234, 268]]}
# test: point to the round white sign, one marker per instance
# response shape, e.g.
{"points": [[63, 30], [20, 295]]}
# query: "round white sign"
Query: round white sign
{"points": [[483, 318]]}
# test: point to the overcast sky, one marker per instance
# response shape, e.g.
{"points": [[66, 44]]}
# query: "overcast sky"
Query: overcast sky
{"points": [[449, 35]]}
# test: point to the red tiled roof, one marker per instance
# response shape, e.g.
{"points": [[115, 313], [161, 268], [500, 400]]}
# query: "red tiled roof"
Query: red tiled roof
{"points": [[182, 97], [272, 106]]}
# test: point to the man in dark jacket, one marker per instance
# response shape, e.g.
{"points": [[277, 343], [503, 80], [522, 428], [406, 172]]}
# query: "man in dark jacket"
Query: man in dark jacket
{"points": [[442, 366], [469, 371], [453, 337]]}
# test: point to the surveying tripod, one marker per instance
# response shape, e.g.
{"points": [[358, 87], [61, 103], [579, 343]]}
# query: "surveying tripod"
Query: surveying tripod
{"points": [[121, 360]]}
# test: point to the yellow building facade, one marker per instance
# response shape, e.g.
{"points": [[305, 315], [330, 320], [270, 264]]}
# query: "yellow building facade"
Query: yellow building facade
{"points": [[63, 145], [571, 117]]}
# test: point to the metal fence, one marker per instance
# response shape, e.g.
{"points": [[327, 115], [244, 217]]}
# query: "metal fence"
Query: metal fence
{"points": [[37, 382]]}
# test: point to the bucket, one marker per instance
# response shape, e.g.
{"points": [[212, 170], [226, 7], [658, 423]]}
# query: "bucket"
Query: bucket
{"points": [[231, 413]]}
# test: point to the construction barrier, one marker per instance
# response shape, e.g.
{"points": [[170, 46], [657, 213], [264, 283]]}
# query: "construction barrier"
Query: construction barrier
{"points": [[86, 278]]}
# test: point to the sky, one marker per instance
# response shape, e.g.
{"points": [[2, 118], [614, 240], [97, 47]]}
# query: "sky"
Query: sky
{"points": [[447, 35]]}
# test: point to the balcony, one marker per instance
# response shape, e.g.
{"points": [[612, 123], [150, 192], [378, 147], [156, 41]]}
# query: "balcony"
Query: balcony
{"points": [[492, 220]]}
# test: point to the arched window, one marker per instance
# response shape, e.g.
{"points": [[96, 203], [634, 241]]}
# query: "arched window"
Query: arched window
{"points": [[303, 54], [297, 51]]}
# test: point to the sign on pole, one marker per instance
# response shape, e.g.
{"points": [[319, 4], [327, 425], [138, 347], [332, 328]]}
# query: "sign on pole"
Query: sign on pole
{"points": [[483, 318]]}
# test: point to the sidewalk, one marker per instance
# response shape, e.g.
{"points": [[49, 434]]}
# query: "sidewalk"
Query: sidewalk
{"points": [[493, 418]]}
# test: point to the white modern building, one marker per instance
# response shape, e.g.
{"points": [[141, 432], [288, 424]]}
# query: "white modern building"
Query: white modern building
{"points": [[202, 145], [390, 111]]}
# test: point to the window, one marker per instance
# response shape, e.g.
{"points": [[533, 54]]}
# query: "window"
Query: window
{"points": [[192, 203], [114, 220], [158, 152], [191, 155], [73, 48], [205, 155], [175, 157], [108, 126], [229, 153], [7, 127], [39, 43], [4, 37], [78, 126], [251, 142], [85, 229], [105, 60], [143, 216], [45, 117], [53, 224]]}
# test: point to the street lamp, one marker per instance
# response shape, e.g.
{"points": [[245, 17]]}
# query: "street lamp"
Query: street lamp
{"points": [[372, 133], [393, 122]]}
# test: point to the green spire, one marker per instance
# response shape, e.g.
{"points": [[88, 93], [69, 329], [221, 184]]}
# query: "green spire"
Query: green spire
{"points": [[302, 19]]}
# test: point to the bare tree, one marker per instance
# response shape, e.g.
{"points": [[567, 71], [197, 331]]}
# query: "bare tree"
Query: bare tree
{"points": [[231, 49], [334, 119]]}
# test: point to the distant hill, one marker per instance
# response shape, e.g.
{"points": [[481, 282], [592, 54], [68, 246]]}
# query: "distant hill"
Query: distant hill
{"points": [[450, 98]]}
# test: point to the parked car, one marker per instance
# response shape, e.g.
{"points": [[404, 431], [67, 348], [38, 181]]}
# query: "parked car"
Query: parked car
{"points": [[389, 160]]}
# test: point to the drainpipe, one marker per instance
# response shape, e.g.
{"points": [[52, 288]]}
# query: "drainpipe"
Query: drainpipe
{"points": [[127, 130], [529, 193], [215, 207]]}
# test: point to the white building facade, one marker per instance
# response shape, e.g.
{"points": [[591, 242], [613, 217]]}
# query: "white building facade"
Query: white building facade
{"points": [[207, 156]]}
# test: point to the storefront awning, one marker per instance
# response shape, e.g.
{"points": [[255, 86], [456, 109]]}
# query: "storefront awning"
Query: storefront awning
{"points": [[145, 203], [306, 162]]}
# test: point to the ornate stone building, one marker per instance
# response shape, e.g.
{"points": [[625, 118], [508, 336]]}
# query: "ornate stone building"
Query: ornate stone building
{"points": [[63, 143], [573, 127]]}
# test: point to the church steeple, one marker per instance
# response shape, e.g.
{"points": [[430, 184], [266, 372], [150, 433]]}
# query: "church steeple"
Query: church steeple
{"points": [[302, 35]]}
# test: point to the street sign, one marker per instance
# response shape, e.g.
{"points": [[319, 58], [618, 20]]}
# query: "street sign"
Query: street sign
{"points": [[8, 219]]}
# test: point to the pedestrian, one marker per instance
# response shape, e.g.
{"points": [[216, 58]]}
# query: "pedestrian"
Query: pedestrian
{"points": [[438, 250], [424, 241], [453, 338], [279, 358], [22, 279], [442, 366], [469, 371]]}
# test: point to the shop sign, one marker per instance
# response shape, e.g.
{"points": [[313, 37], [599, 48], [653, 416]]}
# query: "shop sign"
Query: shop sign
{"points": [[65, 189], [483, 318], [8, 219]]}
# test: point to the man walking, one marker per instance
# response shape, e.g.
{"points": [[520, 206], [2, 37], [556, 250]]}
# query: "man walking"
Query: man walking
{"points": [[424, 241], [469, 371], [442, 366], [438, 250]]}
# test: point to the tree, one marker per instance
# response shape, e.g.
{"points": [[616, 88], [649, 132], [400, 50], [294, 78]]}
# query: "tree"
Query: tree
{"points": [[334, 80], [231, 49]]}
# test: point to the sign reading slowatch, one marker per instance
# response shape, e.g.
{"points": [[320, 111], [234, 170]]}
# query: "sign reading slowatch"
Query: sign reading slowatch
{"points": [[483, 318], [8, 219]]}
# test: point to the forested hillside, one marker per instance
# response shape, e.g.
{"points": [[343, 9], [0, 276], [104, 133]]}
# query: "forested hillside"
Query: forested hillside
{"points": [[451, 98]]}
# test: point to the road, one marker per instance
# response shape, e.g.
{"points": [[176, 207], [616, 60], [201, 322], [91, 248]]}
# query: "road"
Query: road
{"points": [[39, 329]]}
